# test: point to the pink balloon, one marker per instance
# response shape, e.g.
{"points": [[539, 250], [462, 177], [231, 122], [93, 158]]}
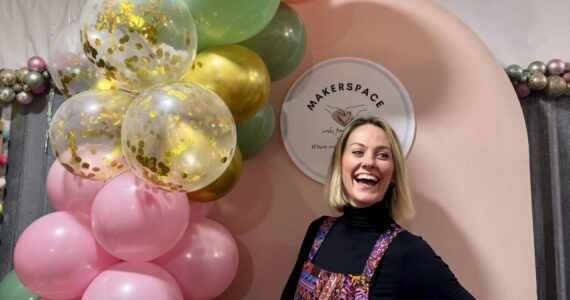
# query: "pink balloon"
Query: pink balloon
{"points": [[57, 256], [68, 192], [133, 281], [135, 221], [200, 209], [205, 261]]}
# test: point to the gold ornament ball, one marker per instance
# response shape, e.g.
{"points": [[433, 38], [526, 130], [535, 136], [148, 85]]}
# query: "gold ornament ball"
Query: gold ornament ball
{"points": [[556, 86], [537, 81], [8, 77]]}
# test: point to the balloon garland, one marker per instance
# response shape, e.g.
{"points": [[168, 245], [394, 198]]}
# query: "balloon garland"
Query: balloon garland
{"points": [[151, 119], [551, 78], [20, 86]]}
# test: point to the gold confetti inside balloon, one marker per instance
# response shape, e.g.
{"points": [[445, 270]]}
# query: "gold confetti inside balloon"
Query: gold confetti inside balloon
{"points": [[138, 43], [68, 65], [179, 136], [237, 74], [221, 186], [85, 133]]}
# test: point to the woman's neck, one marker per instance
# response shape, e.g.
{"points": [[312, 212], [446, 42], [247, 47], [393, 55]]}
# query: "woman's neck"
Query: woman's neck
{"points": [[375, 216]]}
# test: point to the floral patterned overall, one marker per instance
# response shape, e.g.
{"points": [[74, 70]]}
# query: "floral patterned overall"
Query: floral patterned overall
{"points": [[319, 284]]}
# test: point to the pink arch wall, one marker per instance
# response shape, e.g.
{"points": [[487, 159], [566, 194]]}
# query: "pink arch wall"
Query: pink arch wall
{"points": [[468, 167]]}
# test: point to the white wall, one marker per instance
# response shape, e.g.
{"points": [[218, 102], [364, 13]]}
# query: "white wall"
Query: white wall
{"points": [[518, 31]]}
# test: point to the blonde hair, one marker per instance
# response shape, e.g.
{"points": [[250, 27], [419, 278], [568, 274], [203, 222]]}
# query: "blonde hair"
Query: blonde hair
{"points": [[399, 203]]}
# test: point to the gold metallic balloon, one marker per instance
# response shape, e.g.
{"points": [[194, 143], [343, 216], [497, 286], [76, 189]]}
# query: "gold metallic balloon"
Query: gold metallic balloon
{"points": [[223, 185], [85, 133], [237, 74], [556, 86], [138, 44], [537, 81], [179, 136]]}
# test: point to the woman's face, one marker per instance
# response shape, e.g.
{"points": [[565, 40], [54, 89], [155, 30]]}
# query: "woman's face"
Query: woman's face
{"points": [[367, 165]]}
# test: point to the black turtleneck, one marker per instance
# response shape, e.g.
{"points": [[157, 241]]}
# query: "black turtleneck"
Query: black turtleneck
{"points": [[409, 269]]}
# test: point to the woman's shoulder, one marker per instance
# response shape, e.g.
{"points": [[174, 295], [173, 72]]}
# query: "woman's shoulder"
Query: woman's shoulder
{"points": [[410, 245]]}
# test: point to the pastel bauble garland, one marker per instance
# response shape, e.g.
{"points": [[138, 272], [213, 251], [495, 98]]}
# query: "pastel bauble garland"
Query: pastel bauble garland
{"points": [[551, 78]]}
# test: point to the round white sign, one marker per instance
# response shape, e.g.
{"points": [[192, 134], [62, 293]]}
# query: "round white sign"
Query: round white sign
{"points": [[331, 94]]}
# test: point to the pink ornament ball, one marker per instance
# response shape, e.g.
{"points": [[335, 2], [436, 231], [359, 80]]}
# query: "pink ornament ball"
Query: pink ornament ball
{"points": [[37, 64], [24, 97], [522, 90], [555, 66], [566, 77]]}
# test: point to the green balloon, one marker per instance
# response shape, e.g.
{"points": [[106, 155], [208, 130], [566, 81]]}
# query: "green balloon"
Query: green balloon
{"points": [[222, 22], [282, 43], [254, 133], [12, 289]]}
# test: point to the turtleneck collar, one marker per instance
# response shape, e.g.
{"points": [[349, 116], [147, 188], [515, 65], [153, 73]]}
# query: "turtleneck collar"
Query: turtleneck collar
{"points": [[375, 216]]}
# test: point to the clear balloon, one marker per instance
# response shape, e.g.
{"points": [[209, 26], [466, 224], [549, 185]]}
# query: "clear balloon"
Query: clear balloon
{"points": [[85, 133], [138, 43], [205, 261], [237, 74], [12, 289], [144, 224], [221, 22], [255, 133], [221, 186], [57, 256], [133, 281], [282, 43], [68, 65], [67, 192], [179, 136]]}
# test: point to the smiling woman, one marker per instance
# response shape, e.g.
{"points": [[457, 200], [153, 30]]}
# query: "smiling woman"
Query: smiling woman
{"points": [[367, 182]]}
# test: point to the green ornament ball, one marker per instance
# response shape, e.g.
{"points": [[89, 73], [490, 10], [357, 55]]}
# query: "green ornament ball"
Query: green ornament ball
{"points": [[514, 72], [34, 79], [7, 94], [537, 67]]}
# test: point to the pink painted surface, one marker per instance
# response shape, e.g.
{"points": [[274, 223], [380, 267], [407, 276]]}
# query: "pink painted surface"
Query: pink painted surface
{"points": [[468, 168]]}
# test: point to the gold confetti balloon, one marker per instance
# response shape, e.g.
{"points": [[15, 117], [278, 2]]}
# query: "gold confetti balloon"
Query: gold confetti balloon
{"points": [[68, 65], [237, 74], [85, 133], [179, 136], [138, 43]]}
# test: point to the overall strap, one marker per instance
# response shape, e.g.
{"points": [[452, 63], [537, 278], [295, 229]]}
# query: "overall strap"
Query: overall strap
{"points": [[320, 237], [380, 248]]}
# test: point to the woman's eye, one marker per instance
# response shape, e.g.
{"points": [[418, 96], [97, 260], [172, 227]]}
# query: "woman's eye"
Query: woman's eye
{"points": [[383, 155], [358, 152]]}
